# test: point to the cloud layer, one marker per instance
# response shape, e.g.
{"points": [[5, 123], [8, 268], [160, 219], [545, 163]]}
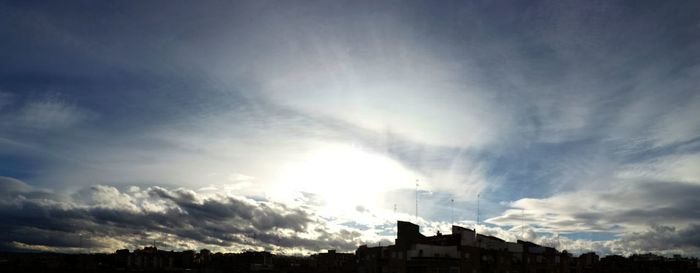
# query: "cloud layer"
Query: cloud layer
{"points": [[102, 218], [308, 125]]}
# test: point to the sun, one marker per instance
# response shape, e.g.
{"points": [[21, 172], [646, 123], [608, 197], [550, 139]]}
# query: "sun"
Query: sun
{"points": [[344, 177]]}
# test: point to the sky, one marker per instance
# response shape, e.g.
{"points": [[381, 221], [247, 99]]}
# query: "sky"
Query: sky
{"points": [[297, 126]]}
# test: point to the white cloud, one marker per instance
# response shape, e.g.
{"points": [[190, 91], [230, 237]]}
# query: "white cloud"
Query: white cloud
{"points": [[680, 124], [675, 167]]}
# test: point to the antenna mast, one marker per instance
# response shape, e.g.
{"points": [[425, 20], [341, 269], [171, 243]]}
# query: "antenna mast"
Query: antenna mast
{"points": [[478, 196], [416, 201], [395, 215], [476, 226], [452, 211]]}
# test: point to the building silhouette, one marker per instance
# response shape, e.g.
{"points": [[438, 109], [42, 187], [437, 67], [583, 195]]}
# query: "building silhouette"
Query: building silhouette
{"points": [[465, 251], [462, 251]]}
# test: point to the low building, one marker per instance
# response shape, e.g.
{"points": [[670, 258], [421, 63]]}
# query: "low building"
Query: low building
{"points": [[334, 262], [463, 251]]}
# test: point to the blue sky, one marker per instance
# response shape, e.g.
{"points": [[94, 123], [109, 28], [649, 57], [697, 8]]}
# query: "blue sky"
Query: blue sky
{"points": [[296, 126]]}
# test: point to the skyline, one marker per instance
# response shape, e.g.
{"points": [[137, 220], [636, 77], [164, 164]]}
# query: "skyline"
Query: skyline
{"points": [[461, 251], [299, 127]]}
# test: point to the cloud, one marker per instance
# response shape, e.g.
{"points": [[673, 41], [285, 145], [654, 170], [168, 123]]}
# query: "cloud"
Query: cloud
{"points": [[661, 238], [624, 203], [678, 166], [9, 185], [645, 216], [102, 218], [23, 120], [584, 115], [5, 99], [50, 113]]}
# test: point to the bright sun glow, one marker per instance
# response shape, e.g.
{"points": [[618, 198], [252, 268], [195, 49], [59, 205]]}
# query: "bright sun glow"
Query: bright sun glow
{"points": [[344, 177]]}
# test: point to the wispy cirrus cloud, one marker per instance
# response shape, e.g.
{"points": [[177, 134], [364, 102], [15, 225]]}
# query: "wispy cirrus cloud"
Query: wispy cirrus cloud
{"points": [[50, 112]]}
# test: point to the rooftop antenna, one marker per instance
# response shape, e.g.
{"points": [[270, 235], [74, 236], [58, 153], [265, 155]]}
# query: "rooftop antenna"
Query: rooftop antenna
{"points": [[416, 201], [478, 195], [452, 211]]}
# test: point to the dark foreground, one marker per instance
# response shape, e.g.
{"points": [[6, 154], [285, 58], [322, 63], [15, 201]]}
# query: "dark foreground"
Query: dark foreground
{"points": [[463, 251], [331, 262]]}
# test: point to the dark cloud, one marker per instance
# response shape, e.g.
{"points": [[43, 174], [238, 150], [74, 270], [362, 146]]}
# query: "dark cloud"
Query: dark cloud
{"points": [[510, 100], [102, 217], [658, 216], [663, 238]]}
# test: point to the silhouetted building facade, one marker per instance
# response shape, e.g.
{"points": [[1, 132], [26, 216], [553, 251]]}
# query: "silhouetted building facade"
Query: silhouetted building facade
{"points": [[463, 251], [334, 262]]}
